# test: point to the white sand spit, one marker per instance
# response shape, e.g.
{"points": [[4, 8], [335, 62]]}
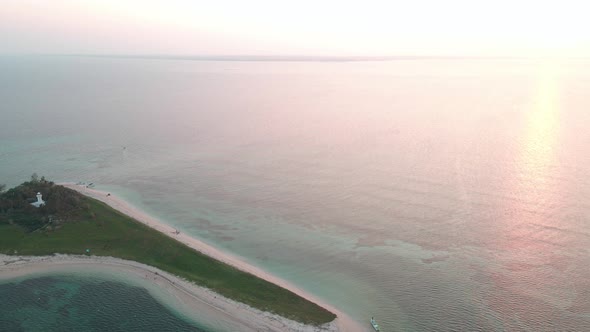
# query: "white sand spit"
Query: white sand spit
{"points": [[343, 323], [190, 296]]}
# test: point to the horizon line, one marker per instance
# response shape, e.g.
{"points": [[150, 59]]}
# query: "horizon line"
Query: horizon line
{"points": [[284, 58], [298, 58]]}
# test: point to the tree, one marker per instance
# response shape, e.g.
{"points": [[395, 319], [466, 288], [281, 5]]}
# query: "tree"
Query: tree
{"points": [[34, 177], [2, 187]]}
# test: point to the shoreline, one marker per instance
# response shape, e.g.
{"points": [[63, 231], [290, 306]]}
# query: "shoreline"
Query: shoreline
{"points": [[341, 323], [187, 296]]}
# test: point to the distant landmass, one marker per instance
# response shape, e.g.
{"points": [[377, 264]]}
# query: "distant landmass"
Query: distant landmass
{"points": [[285, 58]]}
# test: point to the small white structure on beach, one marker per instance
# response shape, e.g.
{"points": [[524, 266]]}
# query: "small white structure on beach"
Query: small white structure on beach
{"points": [[39, 202]]}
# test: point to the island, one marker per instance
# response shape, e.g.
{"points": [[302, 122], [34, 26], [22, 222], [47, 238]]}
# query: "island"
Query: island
{"points": [[40, 218]]}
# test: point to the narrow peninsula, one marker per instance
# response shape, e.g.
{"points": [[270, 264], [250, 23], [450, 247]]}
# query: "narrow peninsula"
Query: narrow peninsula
{"points": [[41, 218]]}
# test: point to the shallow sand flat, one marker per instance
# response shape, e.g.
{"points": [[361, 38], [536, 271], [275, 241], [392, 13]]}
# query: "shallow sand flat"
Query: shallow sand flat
{"points": [[341, 323], [190, 297]]}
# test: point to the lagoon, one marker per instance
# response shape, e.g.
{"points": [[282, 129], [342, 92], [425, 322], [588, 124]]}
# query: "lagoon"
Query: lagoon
{"points": [[79, 302]]}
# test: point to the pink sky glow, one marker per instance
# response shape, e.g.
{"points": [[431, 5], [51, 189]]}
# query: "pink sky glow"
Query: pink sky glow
{"points": [[305, 27]]}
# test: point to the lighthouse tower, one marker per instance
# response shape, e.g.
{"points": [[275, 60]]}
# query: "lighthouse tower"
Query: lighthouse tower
{"points": [[39, 201]]}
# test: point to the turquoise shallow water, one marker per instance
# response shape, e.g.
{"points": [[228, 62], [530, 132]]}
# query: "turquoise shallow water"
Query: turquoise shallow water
{"points": [[74, 303], [435, 195]]}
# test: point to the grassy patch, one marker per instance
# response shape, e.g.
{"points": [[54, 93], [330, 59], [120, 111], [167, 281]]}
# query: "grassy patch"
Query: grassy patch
{"points": [[106, 232]]}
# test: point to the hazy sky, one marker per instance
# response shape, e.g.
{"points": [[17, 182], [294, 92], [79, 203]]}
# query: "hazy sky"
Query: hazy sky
{"points": [[298, 27]]}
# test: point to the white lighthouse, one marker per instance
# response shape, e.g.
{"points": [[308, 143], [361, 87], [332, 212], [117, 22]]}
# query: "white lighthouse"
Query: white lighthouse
{"points": [[39, 202]]}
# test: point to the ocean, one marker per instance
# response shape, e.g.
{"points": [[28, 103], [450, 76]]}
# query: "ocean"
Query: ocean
{"points": [[433, 194], [65, 302]]}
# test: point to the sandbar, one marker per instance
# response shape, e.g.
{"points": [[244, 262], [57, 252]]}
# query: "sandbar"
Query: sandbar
{"points": [[247, 316]]}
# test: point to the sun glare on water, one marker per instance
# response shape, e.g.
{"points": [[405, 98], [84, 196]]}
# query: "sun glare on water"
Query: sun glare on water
{"points": [[543, 116]]}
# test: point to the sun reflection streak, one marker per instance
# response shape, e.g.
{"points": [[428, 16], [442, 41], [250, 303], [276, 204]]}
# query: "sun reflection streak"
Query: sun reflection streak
{"points": [[538, 145], [529, 237], [523, 234]]}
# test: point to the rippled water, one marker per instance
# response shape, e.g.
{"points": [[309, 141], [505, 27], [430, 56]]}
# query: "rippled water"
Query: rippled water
{"points": [[67, 303], [435, 195]]}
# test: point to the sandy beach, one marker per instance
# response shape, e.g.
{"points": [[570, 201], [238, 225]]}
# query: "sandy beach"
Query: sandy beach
{"points": [[244, 315], [191, 297]]}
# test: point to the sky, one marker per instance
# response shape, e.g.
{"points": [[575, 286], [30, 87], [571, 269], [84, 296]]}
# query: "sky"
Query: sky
{"points": [[298, 27]]}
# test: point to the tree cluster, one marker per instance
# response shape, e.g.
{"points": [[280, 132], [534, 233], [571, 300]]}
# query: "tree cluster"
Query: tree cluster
{"points": [[60, 203]]}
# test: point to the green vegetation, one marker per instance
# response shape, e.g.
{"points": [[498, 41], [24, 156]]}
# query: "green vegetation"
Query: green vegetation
{"points": [[70, 223]]}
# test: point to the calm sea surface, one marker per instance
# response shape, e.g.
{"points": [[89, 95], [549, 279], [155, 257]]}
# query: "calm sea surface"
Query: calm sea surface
{"points": [[435, 195]]}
